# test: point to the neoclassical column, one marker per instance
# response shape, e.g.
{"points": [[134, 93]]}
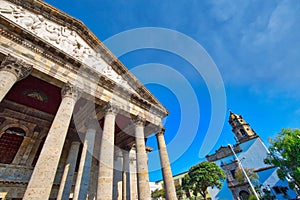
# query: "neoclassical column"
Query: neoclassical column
{"points": [[142, 160], [117, 177], [83, 175], [106, 156], [94, 177], [29, 148], [125, 154], [36, 145], [41, 181], [22, 149], [67, 178], [11, 71], [169, 186], [133, 174]]}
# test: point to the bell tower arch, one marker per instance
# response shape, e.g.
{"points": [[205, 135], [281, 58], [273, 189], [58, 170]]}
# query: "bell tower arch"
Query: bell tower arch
{"points": [[240, 128]]}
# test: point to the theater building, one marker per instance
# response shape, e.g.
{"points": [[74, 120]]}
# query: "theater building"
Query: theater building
{"points": [[73, 119]]}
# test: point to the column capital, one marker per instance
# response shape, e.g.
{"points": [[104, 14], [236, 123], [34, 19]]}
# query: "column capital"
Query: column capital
{"points": [[160, 131], [70, 91], [75, 142], [125, 153], [16, 66], [138, 120], [126, 149], [110, 108], [91, 123]]}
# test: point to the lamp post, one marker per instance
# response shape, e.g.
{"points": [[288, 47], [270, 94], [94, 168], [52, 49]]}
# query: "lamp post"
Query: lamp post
{"points": [[243, 170]]}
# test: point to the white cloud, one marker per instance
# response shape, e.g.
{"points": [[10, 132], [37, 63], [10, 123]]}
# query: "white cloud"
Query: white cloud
{"points": [[262, 42], [224, 10], [282, 20]]}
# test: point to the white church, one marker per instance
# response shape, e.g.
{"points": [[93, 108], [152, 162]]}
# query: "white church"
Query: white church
{"points": [[250, 152]]}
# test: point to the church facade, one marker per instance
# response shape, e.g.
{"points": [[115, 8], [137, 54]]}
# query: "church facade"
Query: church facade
{"points": [[73, 119], [251, 152]]}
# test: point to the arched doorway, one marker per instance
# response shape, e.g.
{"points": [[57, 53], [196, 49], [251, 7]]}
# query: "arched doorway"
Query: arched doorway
{"points": [[10, 142], [244, 195]]}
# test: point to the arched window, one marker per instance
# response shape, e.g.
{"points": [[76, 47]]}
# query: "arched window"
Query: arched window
{"points": [[244, 195], [243, 132], [10, 142], [232, 173]]}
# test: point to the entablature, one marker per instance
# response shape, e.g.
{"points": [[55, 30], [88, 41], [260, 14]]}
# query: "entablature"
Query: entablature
{"points": [[100, 87], [71, 42]]}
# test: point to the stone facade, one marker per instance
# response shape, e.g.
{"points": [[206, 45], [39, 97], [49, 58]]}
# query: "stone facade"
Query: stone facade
{"points": [[73, 119]]}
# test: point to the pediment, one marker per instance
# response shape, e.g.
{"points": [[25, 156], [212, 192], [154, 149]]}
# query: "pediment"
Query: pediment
{"points": [[63, 38], [74, 39]]}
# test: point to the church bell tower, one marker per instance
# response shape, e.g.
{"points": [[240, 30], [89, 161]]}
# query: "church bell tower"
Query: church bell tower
{"points": [[242, 130]]}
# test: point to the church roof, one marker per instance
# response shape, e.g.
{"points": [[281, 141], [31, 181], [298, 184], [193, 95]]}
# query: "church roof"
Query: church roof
{"points": [[223, 152]]}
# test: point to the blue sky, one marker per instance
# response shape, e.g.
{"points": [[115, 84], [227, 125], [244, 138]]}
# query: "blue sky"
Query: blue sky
{"points": [[255, 45]]}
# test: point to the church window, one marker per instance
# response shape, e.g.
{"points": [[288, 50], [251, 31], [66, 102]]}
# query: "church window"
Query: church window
{"points": [[276, 189], [10, 142], [243, 132], [232, 173], [279, 190]]}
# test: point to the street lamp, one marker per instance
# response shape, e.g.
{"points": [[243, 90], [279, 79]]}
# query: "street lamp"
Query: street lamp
{"points": [[243, 170]]}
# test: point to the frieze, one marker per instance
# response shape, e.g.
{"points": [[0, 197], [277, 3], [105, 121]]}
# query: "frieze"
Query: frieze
{"points": [[62, 38], [135, 92], [105, 82]]}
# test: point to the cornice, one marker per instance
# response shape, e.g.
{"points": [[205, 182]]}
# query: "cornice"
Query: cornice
{"points": [[49, 52], [222, 152], [33, 115], [246, 139], [61, 18]]}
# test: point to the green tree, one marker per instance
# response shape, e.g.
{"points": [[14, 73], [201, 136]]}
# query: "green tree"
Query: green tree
{"points": [[240, 176], [179, 190], [252, 197], [185, 185], [202, 176], [285, 154], [156, 194], [267, 194]]}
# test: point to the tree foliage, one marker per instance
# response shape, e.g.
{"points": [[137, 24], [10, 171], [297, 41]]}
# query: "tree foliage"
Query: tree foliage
{"points": [[202, 176], [267, 195], [285, 154], [179, 190], [156, 194], [240, 176]]}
